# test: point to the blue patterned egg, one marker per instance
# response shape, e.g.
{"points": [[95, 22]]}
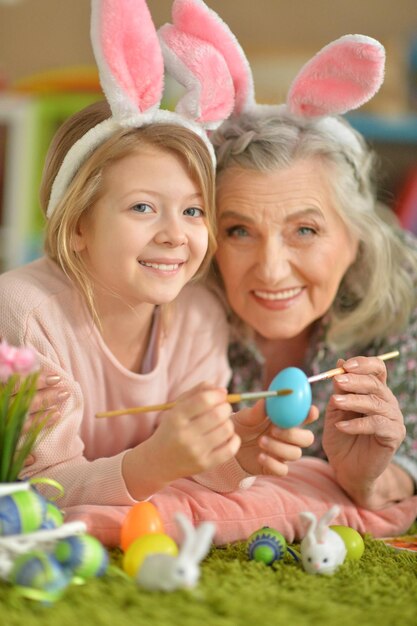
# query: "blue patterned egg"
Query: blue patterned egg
{"points": [[41, 571], [266, 545], [84, 555], [291, 410], [21, 512]]}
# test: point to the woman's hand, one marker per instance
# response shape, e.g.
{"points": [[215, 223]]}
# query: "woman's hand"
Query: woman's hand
{"points": [[363, 429], [266, 448], [194, 436]]}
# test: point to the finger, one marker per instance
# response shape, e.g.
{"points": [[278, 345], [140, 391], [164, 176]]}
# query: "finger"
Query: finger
{"points": [[214, 436], [368, 404], [199, 402], [312, 416], [48, 400], [271, 466], [361, 384], [301, 437], [375, 425], [280, 450], [226, 451], [367, 365], [53, 418]]}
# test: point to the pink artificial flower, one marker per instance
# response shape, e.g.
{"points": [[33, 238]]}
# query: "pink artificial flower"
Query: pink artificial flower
{"points": [[16, 361], [25, 361]]}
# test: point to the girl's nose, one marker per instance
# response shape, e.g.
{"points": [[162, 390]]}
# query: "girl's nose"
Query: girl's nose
{"points": [[171, 233]]}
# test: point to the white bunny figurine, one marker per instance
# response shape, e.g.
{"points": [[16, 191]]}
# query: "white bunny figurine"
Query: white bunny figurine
{"points": [[322, 549], [163, 572]]}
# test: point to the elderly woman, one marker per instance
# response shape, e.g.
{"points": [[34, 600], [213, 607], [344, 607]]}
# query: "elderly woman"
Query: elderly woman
{"points": [[313, 271]]}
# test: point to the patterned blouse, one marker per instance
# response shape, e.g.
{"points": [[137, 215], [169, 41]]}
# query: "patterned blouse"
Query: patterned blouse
{"points": [[247, 367]]}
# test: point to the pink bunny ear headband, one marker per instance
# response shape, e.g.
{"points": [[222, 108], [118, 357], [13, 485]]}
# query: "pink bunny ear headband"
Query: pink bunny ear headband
{"points": [[131, 68], [342, 76]]}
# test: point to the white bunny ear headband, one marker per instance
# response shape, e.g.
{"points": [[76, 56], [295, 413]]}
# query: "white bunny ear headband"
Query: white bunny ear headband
{"points": [[131, 68], [339, 78]]}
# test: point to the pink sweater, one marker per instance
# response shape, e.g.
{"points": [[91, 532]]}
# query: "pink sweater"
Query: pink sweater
{"points": [[40, 307]]}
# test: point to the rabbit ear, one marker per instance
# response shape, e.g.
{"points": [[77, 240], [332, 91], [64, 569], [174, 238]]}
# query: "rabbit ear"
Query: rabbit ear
{"points": [[128, 56], [196, 542], [311, 518], [197, 21], [342, 76], [203, 540], [324, 521], [188, 532], [203, 72]]}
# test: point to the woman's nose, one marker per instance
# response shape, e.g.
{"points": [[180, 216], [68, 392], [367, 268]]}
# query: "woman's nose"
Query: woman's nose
{"points": [[273, 263], [171, 233]]}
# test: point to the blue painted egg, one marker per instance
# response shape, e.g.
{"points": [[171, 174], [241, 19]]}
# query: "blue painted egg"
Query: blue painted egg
{"points": [[266, 545], [291, 410], [41, 571], [84, 555], [22, 512]]}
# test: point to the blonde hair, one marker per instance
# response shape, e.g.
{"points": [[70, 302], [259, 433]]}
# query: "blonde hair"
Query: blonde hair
{"points": [[85, 188], [377, 294]]}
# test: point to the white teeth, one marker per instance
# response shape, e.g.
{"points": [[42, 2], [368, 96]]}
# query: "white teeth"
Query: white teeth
{"points": [[161, 266], [281, 295]]}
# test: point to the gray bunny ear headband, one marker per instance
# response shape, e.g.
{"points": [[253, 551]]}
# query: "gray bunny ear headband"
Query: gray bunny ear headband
{"points": [[130, 59]]}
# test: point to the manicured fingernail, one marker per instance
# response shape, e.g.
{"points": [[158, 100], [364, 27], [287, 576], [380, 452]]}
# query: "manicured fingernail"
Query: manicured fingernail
{"points": [[341, 378], [63, 395], [339, 399], [53, 379]]}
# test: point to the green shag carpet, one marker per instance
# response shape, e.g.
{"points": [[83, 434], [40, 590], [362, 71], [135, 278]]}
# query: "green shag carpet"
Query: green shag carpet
{"points": [[378, 590]]}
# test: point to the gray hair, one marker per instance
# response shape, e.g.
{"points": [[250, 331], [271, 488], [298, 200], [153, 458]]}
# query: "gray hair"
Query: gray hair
{"points": [[377, 294]]}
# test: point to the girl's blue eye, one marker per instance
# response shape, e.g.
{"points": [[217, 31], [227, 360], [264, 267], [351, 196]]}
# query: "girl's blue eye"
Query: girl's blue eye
{"points": [[194, 212], [237, 231], [142, 207]]}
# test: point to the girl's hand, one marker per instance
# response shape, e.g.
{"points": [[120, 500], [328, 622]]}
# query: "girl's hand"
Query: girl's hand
{"points": [[48, 397], [363, 429], [266, 448], [196, 435]]}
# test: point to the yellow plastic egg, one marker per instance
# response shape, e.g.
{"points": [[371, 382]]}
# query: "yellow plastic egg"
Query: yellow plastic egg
{"points": [[142, 519], [154, 543]]}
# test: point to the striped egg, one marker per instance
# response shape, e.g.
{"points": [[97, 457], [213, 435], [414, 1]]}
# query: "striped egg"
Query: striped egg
{"points": [[84, 555], [39, 570], [21, 512], [266, 545]]}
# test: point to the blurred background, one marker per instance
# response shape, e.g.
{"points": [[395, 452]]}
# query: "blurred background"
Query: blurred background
{"points": [[47, 72]]}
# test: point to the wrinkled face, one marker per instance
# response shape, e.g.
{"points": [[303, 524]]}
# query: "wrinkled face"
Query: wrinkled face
{"points": [[283, 248], [145, 237]]}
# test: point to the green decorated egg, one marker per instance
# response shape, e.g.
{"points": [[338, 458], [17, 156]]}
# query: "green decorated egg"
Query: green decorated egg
{"points": [[266, 545]]}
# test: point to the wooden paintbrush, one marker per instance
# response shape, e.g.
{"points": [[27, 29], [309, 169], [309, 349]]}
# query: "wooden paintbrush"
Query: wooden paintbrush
{"points": [[240, 397]]}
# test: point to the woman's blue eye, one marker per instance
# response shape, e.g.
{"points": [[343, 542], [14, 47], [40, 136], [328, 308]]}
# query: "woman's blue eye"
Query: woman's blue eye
{"points": [[306, 230], [194, 212], [237, 231], [142, 208]]}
